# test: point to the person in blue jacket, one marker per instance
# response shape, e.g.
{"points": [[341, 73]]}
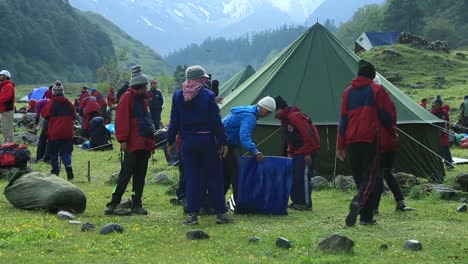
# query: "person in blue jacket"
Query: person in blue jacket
{"points": [[195, 116], [239, 126]]}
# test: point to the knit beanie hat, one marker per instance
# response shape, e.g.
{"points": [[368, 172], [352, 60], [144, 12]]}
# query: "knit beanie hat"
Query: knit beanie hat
{"points": [[268, 103], [195, 72], [366, 69], [58, 88], [280, 103], [138, 78]]}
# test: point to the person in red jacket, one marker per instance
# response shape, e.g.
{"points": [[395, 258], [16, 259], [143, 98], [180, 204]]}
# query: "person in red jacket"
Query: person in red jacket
{"points": [[135, 133], [88, 109], [100, 99], [84, 93], [388, 145], [111, 100], [364, 111], [439, 111], [423, 103], [7, 105], [303, 144], [48, 94], [60, 113], [31, 108]]}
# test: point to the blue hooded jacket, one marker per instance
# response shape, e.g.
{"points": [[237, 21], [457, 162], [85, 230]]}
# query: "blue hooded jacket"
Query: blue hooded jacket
{"points": [[239, 126]]}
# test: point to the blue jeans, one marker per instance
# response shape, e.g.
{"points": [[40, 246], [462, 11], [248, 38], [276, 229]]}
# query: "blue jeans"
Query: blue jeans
{"points": [[62, 149]]}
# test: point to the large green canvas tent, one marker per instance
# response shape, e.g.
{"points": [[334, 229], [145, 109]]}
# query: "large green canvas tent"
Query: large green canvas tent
{"points": [[312, 73], [231, 84]]}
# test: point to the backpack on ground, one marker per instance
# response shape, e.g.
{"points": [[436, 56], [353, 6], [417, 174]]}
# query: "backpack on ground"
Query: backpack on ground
{"points": [[14, 155]]}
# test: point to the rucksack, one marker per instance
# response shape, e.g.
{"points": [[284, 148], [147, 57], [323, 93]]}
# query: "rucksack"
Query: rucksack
{"points": [[123, 89], [14, 155]]}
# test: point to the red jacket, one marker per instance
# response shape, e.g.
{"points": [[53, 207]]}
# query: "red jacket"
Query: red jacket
{"points": [[129, 127], [48, 94], [90, 110], [60, 113], [111, 99], [302, 135], [101, 100], [7, 96], [365, 108], [446, 108], [423, 104], [442, 114]]}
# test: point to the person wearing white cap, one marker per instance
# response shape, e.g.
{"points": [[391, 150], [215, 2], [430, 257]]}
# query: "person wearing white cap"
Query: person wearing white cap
{"points": [[7, 105], [239, 126]]}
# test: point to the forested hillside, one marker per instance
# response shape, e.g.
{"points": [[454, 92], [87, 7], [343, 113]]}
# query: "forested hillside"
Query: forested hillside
{"points": [[44, 40]]}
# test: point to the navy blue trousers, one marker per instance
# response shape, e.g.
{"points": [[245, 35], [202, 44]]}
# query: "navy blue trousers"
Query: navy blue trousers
{"points": [[202, 167], [301, 189], [41, 152], [62, 148], [156, 117], [445, 151]]}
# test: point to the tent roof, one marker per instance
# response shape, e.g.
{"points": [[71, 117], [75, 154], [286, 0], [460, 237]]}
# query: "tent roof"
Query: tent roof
{"points": [[312, 73], [236, 80], [383, 38]]}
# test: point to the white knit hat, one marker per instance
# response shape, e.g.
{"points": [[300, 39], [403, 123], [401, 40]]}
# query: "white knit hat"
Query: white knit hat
{"points": [[268, 103], [58, 88], [6, 73]]}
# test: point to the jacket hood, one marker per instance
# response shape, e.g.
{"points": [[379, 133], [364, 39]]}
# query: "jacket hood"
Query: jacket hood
{"points": [[8, 82], [284, 115], [245, 109], [59, 98], [360, 81]]}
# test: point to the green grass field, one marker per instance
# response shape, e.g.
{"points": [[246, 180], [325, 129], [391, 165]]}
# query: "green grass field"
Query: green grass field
{"points": [[39, 237]]}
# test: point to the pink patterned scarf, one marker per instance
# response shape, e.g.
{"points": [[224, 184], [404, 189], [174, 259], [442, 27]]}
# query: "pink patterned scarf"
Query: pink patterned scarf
{"points": [[191, 88]]}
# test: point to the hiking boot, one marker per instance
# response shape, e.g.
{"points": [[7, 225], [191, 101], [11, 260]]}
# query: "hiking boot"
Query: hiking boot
{"points": [[375, 212], [300, 207], [354, 209], [139, 210], [368, 223], [110, 208], [70, 174], [175, 202], [223, 219], [192, 219], [401, 206]]}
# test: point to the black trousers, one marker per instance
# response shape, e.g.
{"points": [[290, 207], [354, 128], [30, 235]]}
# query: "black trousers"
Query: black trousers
{"points": [[386, 165], [364, 164], [42, 150], [230, 171], [135, 164]]}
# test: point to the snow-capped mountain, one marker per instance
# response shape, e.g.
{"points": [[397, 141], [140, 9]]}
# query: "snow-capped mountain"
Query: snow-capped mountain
{"points": [[167, 25]]}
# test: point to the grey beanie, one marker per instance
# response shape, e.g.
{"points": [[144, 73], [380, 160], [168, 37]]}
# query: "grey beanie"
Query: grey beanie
{"points": [[58, 88], [138, 78], [195, 72]]}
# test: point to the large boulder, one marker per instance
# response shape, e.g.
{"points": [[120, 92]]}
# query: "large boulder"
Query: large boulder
{"points": [[461, 182], [445, 192], [406, 181], [319, 183], [28, 120], [439, 45], [27, 138], [413, 245], [345, 183], [336, 243], [410, 39], [282, 242]]}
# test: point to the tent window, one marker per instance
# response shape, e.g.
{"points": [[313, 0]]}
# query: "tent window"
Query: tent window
{"points": [[361, 39]]}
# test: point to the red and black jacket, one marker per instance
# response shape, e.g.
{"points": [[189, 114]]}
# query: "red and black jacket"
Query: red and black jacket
{"points": [[60, 113], [90, 110], [48, 94], [7, 96], [442, 114], [301, 134], [101, 100], [365, 108]]}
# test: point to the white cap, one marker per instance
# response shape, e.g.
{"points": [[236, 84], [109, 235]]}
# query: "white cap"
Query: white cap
{"points": [[377, 80], [268, 103], [6, 73]]}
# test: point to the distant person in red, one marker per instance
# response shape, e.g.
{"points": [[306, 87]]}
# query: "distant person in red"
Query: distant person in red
{"points": [[423, 103], [60, 113], [303, 144], [441, 113], [84, 93], [111, 101], [7, 105], [100, 99], [48, 94], [89, 108], [31, 106]]}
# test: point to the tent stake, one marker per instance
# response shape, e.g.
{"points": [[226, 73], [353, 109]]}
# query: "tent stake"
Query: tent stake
{"points": [[89, 170]]}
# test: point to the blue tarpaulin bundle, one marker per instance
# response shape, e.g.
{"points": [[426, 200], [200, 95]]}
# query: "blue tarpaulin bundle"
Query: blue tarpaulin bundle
{"points": [[263, 188]]}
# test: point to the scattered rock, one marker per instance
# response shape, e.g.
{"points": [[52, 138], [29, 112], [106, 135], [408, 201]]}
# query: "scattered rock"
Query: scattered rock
{"points": [[254, 239], [439, 78], [319, 183], [445, 192], [111, 228], [439, 45], [162, 178], [438, 86], [126, 204], [395, 77], [408, 38], [27, 138], [463, 200], [74, 222], [336, 243], [413, 245], [460, 55], [66, 215], [383, 246], [417, 86], [17, 117], [283, 243], [87, 227], [462, 208], [461, 182], [28, 120], [406, 181], [197, 234], [391, 52], [345, 183]]}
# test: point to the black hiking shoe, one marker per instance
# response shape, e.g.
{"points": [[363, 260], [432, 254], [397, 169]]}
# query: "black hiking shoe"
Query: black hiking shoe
{"points": [[70, 174], [139, 210], [300, 207], [375, 212], [223, 219], [354, 209], [110, 208], [368, 223], [192, 219], [401, 206]]}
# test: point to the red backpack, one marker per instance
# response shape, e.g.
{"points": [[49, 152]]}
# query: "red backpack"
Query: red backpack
{"points": [[14, 155]]}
